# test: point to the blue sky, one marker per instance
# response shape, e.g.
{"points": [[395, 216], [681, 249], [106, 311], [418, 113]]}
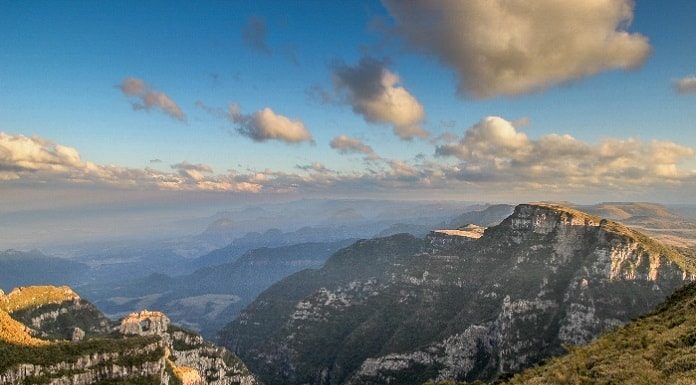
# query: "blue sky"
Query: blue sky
{"points": [[61, 64]]}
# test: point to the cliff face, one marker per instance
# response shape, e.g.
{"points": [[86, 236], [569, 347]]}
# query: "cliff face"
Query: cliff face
{"points": [[143, 348], [405, 310], [657, 349]]}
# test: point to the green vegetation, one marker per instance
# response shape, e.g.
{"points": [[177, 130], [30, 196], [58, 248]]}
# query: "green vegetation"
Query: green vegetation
{"points": [[143, 380], [11, 355], [658, 349]]}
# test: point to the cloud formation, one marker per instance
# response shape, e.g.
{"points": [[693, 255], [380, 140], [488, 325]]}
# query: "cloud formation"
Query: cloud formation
{"points": [[264, 125], [149, 98], [346, 145], [375, 93], [254, 35], [685, 85], [493, 150], [492, 157], [39, 160], [512, 47]]}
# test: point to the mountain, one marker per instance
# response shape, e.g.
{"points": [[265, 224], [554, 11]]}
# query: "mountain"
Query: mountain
{"points": [[625, 210], [399, 228], [49, 335], [19, 268], [277, 238], [656, 349], [463, 307], [208, 298], [490, 216], [653, 219]]}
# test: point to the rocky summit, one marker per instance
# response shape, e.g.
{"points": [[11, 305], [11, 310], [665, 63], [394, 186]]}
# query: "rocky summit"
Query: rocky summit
{"points": [[454, 306], [52, 336]]}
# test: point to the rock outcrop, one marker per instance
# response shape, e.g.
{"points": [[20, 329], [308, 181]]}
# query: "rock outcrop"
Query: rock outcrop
{"points": [[405, 310], [144, 323], [49, 335]]}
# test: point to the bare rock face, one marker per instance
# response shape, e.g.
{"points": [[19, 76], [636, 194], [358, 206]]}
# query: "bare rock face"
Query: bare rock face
{"points": [[77, 335], [144, 323]]}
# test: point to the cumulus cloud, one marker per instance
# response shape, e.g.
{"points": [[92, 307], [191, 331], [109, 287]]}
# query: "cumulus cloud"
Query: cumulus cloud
{"points": [[375, 93], [493, 150], [685, 85], [492, 158], [37, 159], [149, 98], [511, 47], [192, 171], [346, 145], [254, 35], [264, 125]]}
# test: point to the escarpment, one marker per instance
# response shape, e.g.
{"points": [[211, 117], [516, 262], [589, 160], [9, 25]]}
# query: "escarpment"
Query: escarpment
{"points": [[49, 335], [456, 305]]}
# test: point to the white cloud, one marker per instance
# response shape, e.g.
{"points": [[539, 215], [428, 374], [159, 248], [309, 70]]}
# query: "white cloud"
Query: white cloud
{"points": [[266, 125], [149, 98], [493, 150], [492, 158], [193, 171], [346, 145], [39, 160], [685, 85], [375, 93], [511, 47]]}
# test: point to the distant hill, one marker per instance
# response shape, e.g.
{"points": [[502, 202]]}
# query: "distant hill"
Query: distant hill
{"points": [[624, 210], [398, 228], [18, 268], [278, 238], [654, 219], [490, 216], [211, 296]]}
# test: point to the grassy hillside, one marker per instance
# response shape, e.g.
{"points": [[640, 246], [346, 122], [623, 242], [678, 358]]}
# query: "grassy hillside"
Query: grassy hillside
{"points": [[27, 297]]}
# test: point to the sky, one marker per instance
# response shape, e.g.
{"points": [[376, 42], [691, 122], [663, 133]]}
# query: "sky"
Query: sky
{"points": [[484, 100]]}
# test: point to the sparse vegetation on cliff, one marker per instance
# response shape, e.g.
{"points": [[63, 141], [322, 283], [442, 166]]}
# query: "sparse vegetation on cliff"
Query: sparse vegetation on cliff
{"points": [[657, 349]]}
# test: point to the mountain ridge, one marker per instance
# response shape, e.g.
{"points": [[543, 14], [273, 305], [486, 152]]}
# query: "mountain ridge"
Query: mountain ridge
{"points": [[401, 307]]}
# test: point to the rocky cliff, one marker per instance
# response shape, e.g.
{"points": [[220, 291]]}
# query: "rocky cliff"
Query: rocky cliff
{"points": [[49, 335], [406, 310], [657, 349]]}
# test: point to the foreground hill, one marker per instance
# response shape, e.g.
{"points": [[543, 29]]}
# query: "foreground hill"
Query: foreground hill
{"points": [[657, 349], [406, 310], [49, 335]]}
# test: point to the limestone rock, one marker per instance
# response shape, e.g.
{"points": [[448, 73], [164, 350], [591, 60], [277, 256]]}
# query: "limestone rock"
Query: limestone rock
{"points": [[77, 335], [144, 323]]}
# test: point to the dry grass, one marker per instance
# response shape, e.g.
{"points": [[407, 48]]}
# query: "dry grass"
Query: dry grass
{"points": [[34, 296]]}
